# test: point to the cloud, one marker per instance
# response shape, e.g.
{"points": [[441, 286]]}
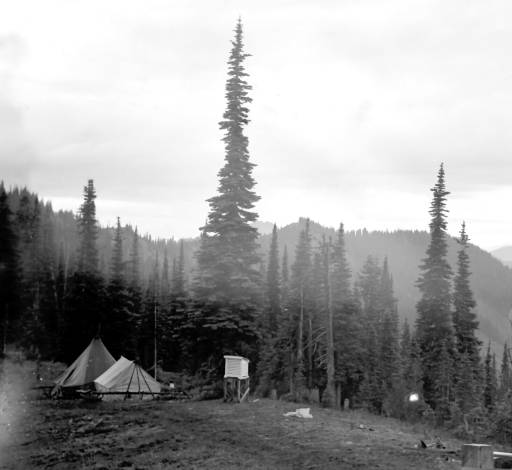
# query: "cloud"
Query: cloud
{"points": [[12, 49], [355, 105], [16, 153]]}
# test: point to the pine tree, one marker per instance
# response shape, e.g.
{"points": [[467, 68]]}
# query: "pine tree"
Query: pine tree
{"points": [[300, 300], [227, 284], [116, 263], [405, 344], [505, 386], [60, 295], [228, 256], [9, 272], [28, 224], [118, 326], [467, 394], [433, 325], [88, 228], [388, 364], [85, 297], [348, 331], [179, 344], [134, 291], [329, 395], [150, 318], [165, 285], [412, 372], [285, 281], [465, 325], [47, 268], [273, 288], [178, 274], [490, 381], [340, 271], [134, 276], [464, 319], [368, 286], [444, 381]]}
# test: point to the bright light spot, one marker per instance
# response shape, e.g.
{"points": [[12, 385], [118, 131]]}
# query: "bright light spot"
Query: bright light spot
{"points": [[414, 397]]}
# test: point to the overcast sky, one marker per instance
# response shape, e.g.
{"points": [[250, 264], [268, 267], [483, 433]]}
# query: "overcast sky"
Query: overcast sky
{"points": [[356, 103]]}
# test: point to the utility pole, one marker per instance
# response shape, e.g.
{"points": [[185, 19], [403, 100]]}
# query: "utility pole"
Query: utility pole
{"points": [[6, 325], [154, 336]]}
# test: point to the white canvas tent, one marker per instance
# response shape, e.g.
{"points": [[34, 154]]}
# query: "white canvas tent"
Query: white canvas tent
{"points": [[93, 361], [126, 377]]}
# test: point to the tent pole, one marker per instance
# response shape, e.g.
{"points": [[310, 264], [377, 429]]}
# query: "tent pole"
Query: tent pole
{"points": [[149, 388], [138, 382], [129, 383]]}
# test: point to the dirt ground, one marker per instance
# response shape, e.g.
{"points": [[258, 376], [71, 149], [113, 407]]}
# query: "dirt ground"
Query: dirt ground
{"points": [[41, 433]]}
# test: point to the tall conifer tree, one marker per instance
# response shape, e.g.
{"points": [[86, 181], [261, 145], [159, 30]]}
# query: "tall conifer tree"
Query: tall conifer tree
{"points": [[348, 342], [434, 325], [490, 380], [389, 357], [285, 281], [119, 323], [178, 274], [300, 302], [88, 229], [134, 276], [505, 386], [228, 283], [85, 300], [465, 323], [464, 318], [228, 255]]}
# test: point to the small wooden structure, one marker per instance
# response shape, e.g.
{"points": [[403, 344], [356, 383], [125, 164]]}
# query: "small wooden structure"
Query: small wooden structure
{"points": [[477, 456], [236, 378]]}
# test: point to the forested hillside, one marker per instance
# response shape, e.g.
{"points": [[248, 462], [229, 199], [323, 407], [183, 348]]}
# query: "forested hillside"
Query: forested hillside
{"points": [[490, 281]]}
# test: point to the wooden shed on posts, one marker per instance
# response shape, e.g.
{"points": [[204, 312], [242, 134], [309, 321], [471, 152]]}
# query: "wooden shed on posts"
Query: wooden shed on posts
{"points": [[236, 378]]}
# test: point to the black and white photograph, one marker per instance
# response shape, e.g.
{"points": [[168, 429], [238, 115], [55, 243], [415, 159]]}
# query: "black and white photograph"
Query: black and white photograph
{"points": [[265, 234]]}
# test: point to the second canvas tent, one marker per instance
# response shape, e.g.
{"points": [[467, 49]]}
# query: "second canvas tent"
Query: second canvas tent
{"points": [[126, 377]]}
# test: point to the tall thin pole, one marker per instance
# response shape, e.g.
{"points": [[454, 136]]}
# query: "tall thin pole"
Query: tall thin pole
{"points": [[154, 339], [6, 325]]}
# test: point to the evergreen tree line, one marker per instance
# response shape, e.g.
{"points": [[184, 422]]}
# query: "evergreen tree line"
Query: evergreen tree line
{"points": [[52, 305], [313, 327]]}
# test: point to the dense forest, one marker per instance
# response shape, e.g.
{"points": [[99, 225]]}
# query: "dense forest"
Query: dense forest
{"points": [[312, 308]]}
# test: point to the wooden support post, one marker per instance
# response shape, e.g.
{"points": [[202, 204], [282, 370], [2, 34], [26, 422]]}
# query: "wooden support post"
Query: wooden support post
{"points": [[477, 456], [338, 395]]}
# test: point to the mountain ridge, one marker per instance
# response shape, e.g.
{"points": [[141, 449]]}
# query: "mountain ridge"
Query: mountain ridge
{"points": [[491, 279]]}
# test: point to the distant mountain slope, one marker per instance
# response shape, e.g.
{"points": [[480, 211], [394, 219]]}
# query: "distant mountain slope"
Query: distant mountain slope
{"points": [[504, 254], [491, 280]]}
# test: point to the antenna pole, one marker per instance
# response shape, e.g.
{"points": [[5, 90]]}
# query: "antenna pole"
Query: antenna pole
{"points": [[154, 338]]}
